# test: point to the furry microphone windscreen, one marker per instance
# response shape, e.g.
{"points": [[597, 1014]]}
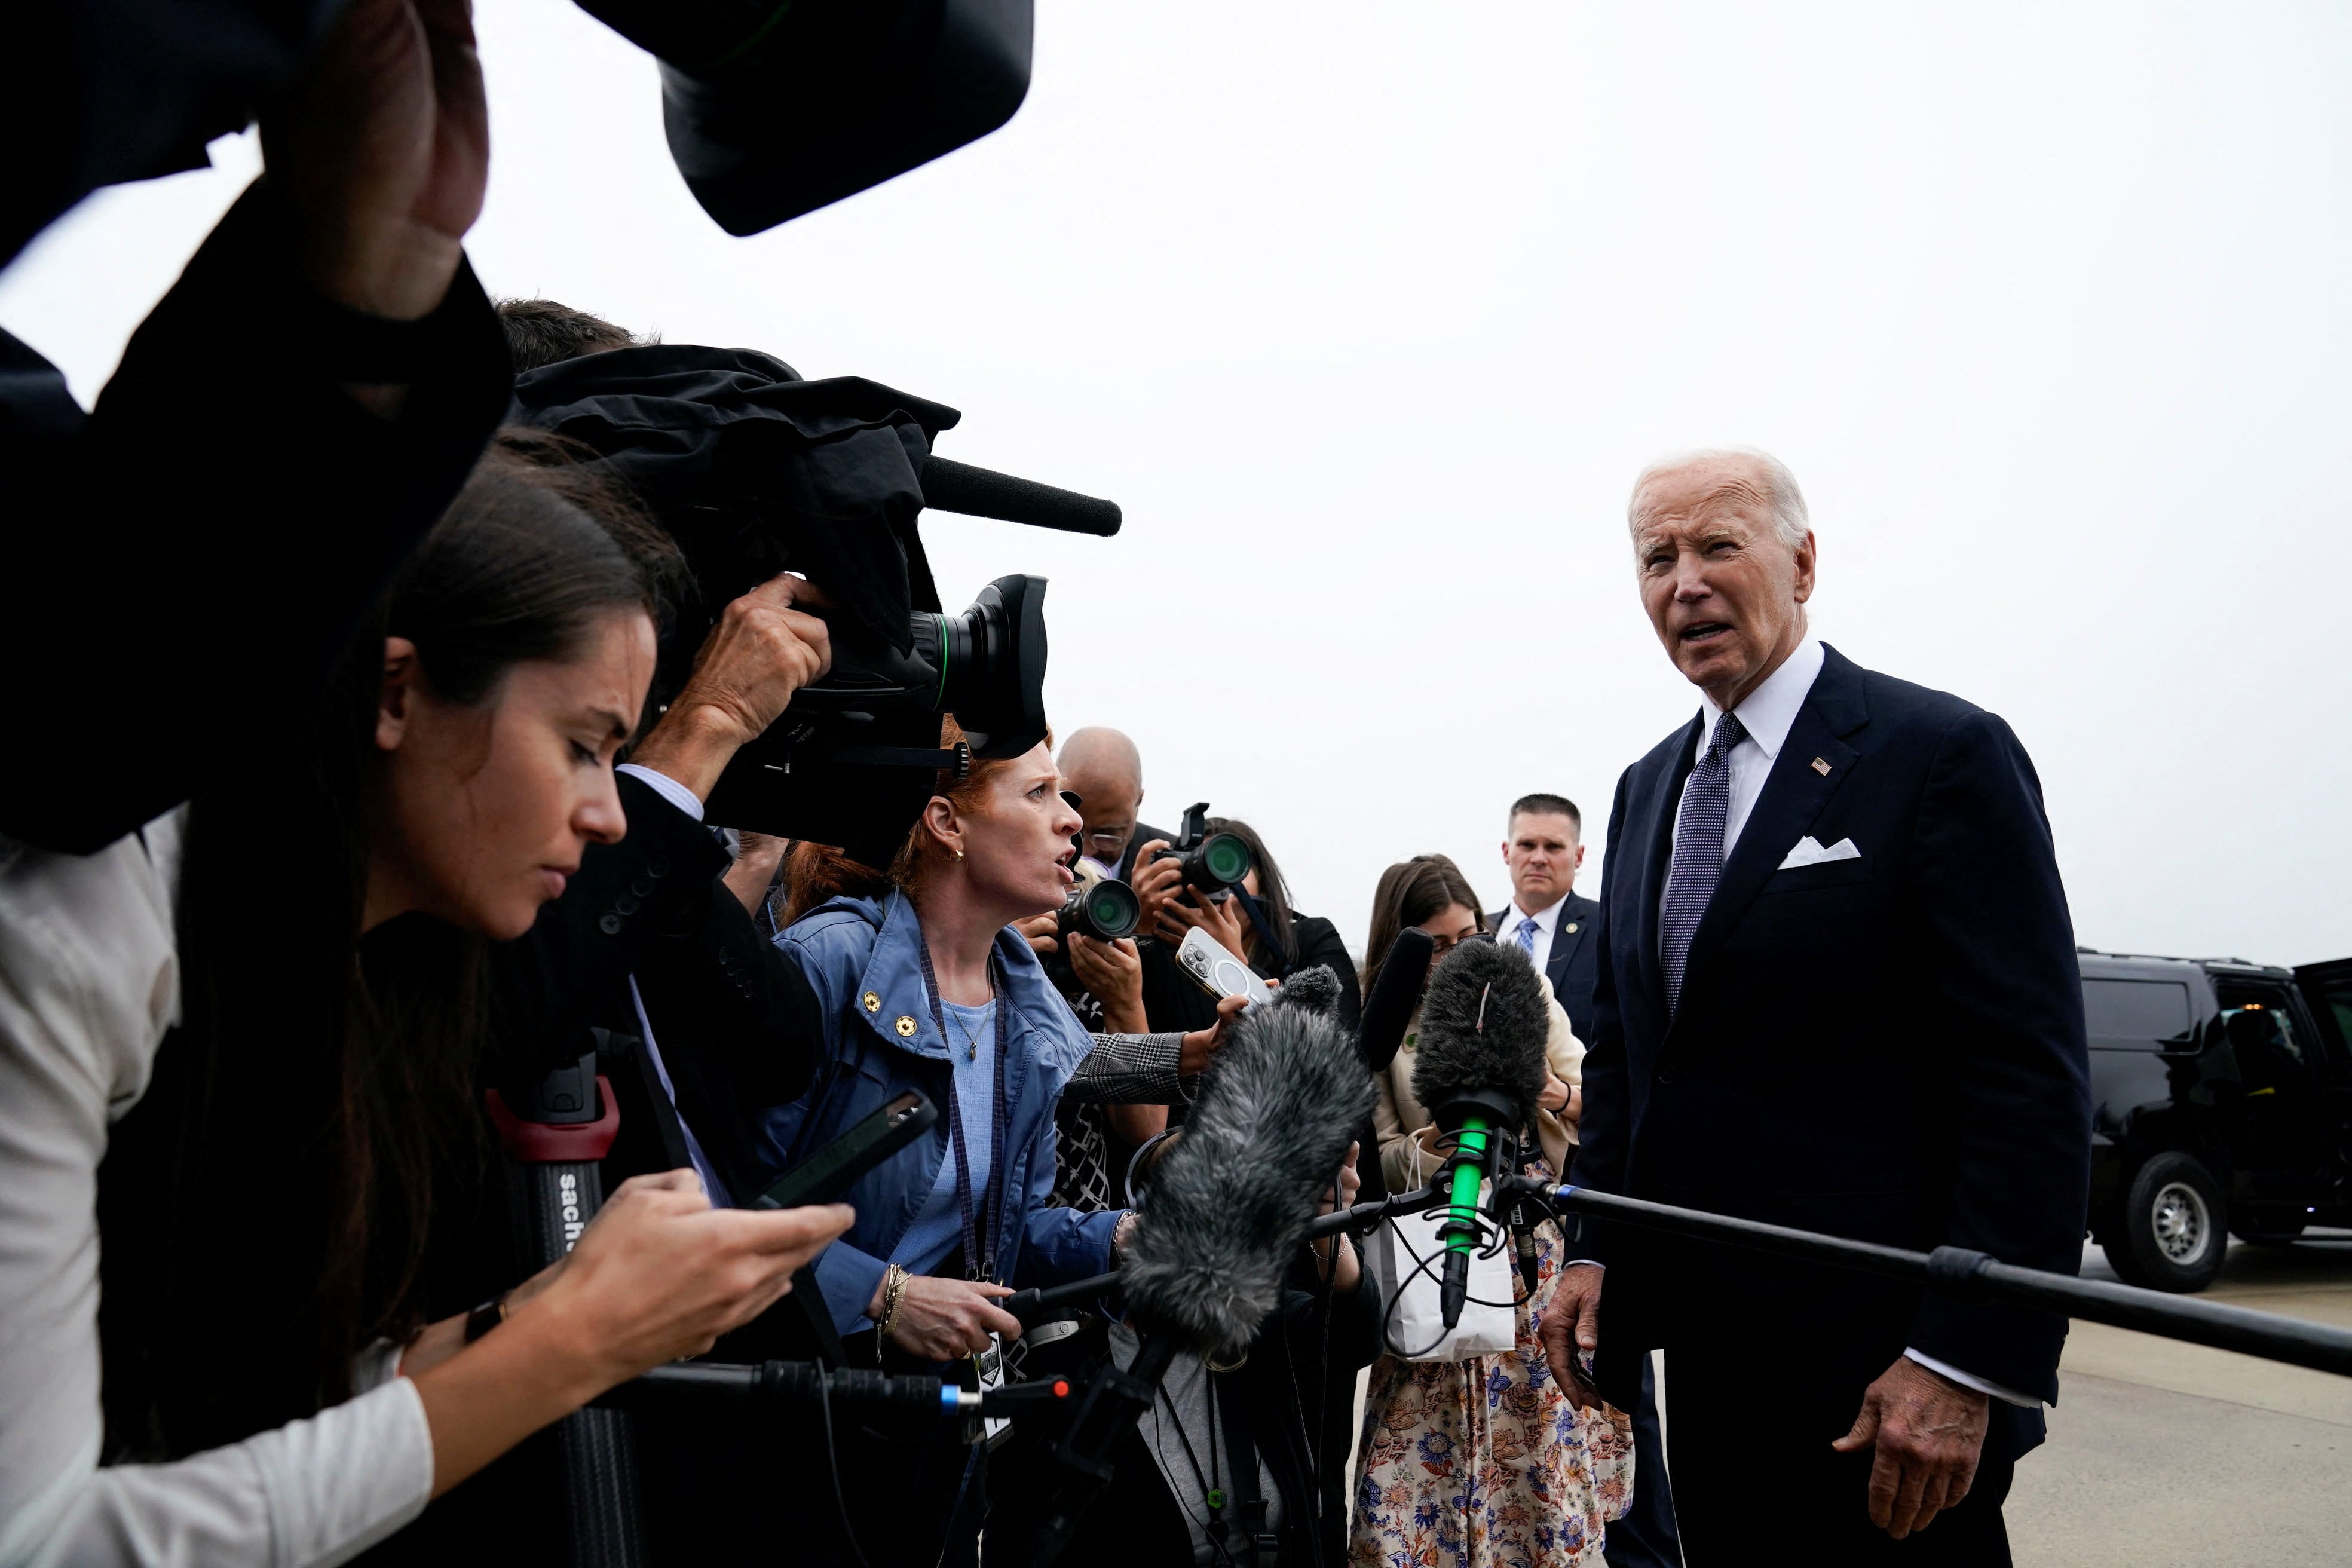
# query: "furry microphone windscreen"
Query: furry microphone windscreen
{"points": [[1228, 1206], [1483, 1025], [1316, 990]]}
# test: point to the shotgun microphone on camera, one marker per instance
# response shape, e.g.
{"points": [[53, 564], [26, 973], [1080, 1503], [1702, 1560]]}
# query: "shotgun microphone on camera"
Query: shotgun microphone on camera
{"points": [[1479, 1067]]}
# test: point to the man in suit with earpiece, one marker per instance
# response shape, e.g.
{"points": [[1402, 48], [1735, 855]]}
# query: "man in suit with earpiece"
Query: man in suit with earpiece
{"points": [[1547, 919], [1836, 990]]}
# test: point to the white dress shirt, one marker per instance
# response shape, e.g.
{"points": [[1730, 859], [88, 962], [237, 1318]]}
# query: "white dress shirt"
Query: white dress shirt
{"points": [[1546, 926], [668, 788], [1768, 714]]}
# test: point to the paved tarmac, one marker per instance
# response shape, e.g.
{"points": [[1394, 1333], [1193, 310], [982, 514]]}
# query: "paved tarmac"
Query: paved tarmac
{"points": [[2164, 1453]]}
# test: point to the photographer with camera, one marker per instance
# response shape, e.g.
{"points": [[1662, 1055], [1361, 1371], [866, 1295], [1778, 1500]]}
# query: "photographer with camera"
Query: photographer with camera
{"points": [[1250, 918], [268, 1355]]}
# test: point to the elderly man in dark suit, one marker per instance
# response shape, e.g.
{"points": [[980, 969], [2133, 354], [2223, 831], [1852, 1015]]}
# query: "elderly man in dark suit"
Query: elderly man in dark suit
{"points": [[1837, 990]]}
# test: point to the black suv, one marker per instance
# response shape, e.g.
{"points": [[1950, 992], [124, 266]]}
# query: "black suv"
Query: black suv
{"points": [[2223, 1096]]}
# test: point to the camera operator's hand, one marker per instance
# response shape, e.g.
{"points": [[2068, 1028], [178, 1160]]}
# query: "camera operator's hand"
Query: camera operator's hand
{"points": [[1112, 973], [1201, 1045], [1039, 930], [1155, 883], [761, 652], [383, 152], [1572, 1323], [943, 1319]]}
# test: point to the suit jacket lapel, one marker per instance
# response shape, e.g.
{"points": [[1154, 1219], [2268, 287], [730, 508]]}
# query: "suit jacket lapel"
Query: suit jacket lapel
{"points": [[1794, 794], [1564, 940]]}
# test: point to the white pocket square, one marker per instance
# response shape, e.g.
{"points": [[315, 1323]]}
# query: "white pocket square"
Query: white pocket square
{"points": [[1809, 852]]}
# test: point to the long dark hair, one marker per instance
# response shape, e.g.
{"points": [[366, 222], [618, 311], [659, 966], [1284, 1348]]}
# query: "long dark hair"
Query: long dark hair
{"points": [[1408, 893], [267, 1207]]}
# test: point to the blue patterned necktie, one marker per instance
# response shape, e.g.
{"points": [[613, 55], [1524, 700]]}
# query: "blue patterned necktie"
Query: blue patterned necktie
{"points": [[1698, 853], [1527, 929]]}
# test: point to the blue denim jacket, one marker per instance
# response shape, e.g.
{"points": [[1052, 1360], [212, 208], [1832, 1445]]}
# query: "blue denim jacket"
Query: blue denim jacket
{"points": [[864, 961]]}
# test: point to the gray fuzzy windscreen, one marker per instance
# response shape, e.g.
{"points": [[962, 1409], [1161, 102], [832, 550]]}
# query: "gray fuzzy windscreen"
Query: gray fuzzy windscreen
{"points": [[1228, 1206], [1453, 1052], [1316, 989]]}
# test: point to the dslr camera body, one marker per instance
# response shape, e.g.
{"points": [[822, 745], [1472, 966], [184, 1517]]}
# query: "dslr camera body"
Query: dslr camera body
{"points": [[1211, 864]]}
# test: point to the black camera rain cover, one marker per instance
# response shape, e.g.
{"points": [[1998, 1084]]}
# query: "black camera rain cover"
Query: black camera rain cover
{"points": [[753, 470]]}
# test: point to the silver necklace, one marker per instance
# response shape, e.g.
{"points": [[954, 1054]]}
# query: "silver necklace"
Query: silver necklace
{"points": [[970, 1040]]}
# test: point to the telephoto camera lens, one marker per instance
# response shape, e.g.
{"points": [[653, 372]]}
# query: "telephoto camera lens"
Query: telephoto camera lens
{"points": [[1105, 911], [1218, 862]]}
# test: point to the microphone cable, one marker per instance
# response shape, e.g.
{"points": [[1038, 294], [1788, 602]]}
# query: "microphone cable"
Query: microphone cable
{"points": [[833, 1466]]}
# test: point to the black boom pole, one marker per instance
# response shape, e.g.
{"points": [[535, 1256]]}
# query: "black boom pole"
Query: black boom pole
{"points": [[1972, 1276]]}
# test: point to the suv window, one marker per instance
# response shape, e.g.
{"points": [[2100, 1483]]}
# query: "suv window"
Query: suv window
{"points": [[2264, 1039], [2134, 1015]]}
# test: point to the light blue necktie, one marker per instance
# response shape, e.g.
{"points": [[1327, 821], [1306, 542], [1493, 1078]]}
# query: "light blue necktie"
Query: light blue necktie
{"points": [[1698, 853], [1528, 938]]}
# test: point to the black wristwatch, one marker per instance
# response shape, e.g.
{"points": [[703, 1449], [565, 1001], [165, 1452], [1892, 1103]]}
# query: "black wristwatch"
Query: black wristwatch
{"points": [[486, 1317]]}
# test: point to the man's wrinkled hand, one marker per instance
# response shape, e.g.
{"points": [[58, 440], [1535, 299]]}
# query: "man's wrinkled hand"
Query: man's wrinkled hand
{"points": [[761, 652], [1927, 1433], [1570, 1325]]}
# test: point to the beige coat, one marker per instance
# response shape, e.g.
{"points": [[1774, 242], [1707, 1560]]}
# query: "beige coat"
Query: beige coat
{"points": [[1404, 1166]]}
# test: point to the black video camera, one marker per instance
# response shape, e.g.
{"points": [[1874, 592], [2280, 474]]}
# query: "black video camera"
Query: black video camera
{"points": [[852, 760], [1211, 863]]}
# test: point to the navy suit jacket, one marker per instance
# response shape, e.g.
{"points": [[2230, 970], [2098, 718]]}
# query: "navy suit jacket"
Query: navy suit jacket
{"points": [[1573, 964], [1888, 1048]]}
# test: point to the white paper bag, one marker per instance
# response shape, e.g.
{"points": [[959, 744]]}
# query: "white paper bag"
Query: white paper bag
{"points": [[1410, 1293]]}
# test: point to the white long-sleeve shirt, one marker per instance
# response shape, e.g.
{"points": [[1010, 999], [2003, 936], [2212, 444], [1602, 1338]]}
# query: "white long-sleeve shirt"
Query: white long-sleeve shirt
{"points": [[89, 984]]}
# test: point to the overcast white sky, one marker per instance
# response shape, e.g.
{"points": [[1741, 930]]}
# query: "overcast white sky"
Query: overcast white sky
{"points": [[1368, 314]]}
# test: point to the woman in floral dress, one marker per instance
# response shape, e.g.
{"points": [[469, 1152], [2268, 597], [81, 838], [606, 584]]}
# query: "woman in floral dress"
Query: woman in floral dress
{"points": [[1479, 1463]]}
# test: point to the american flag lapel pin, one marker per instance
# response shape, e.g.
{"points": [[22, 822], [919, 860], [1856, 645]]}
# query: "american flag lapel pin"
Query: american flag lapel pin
{"points": [[1820, 768]]}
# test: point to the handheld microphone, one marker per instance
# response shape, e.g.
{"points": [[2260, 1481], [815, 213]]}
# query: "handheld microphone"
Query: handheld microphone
{"points": [[1394, 996], [1479, 1067], [1229, 1206]]}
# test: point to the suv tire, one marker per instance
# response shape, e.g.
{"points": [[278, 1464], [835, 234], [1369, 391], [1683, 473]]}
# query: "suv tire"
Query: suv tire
{"points": [[2171, 1233]]}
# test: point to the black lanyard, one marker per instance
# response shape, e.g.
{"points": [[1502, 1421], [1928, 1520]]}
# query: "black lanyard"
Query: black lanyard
{"points": [[976, 1266], [1276, 957], [1211, 1493]]}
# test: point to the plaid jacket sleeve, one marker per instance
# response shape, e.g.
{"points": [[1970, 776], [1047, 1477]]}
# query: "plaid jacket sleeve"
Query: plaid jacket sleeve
{"points": [[1131, 1069]]}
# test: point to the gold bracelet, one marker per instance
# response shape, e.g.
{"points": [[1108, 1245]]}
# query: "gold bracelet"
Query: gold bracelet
{"points": [[894, 1292]]}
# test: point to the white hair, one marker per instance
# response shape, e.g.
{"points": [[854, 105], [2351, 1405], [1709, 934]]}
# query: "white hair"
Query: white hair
{"points": [[1787, 502]]}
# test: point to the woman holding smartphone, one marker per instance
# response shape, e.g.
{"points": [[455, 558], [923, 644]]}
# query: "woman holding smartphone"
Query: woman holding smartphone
{"points": [[928, 986], [275, 1363]]}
